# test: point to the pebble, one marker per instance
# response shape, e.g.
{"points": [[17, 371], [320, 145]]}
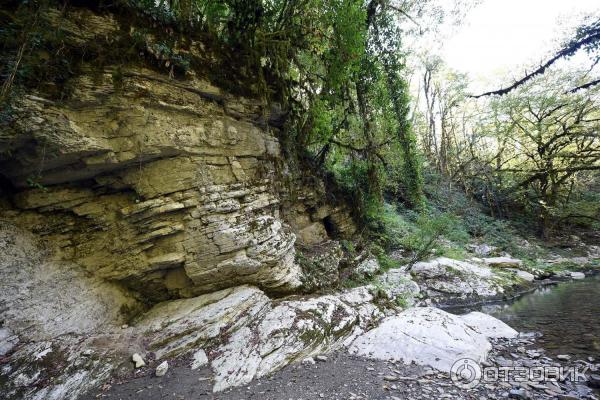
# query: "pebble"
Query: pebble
{"points": [[533, 353], [138, 361], [518, 394], [308, 360], [87, 353], [321, 358], [162, 368], [390, 378], [563, 357]]}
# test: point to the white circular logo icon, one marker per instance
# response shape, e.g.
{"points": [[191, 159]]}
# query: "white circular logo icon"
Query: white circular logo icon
{"points": [[465, 373]]}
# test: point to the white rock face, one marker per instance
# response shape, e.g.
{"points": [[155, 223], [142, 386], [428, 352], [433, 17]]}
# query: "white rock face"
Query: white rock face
{"points": [[292, 330], [488, 326], [503, 262], [429, 336], [256, 335], [443, 276], [57, 313], [42, 298]]}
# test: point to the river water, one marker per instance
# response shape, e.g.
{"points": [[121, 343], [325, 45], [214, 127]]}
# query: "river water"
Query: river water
{"points": [[567, 315]]}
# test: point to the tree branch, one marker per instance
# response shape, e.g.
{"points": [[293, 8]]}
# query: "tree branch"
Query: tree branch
{"points": [[569, 50]]}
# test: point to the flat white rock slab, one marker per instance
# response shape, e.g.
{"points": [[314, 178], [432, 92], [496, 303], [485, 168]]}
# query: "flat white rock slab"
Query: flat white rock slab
{"points": [[430, 336]]}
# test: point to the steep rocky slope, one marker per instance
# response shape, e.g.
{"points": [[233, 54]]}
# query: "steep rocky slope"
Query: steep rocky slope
{"points": [[172, 187]]}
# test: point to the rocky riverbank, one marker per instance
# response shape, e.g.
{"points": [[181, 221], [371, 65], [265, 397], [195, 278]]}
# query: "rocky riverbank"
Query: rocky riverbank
{"points": [[340, 375], [64, 335]]}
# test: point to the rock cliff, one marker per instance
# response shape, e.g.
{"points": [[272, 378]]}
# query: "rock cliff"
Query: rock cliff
{"points": [[172, 187]]}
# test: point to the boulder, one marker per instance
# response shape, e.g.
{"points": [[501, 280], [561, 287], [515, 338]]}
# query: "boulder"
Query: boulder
{"points": [[483, 250], [368, 267], [432, 337], [569, 275], [488, 326], [524, 275], [397, 284], [292, 330], [444, 276], [577, 275]]}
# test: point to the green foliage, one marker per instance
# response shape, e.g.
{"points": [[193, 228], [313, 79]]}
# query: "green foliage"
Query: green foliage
{"points": [[33, 182], [430, 229], [337, 67]]}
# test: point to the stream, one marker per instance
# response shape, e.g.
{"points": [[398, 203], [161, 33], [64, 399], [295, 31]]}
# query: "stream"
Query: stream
{"points": [[567, 316]]}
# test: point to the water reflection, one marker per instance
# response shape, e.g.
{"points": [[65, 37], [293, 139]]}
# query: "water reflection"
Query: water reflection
{"points": [[567, 315]]}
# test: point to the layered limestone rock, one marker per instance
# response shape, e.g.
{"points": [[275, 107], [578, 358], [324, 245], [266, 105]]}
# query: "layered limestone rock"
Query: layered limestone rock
{"points": [[65, 331], [173, 187], [181, 198], [247, 336], [59, 332]]}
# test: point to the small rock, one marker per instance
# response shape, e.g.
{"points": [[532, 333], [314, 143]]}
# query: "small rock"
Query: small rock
{"points": [[563, 357], [162, 368], [518, 394], [321, 358], [87, 353], [124, 326], [308, 360], [577, 275], [533, 354], [138, 361], [538, 386], [200, 359], [390, 378]]}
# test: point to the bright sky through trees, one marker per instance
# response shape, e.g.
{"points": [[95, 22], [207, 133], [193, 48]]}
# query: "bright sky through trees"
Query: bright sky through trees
{"points": [[502, 36]]}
